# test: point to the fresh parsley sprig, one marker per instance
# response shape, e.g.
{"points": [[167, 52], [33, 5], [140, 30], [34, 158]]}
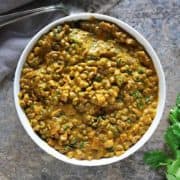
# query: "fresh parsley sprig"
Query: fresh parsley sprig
{"points": [[171, 159]]}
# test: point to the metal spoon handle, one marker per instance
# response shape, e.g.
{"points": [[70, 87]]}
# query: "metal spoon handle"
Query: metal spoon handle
{"points": [[14, 17]]}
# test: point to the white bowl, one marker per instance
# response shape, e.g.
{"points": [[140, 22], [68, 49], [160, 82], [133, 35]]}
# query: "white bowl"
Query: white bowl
{"points": [[161, 101]]}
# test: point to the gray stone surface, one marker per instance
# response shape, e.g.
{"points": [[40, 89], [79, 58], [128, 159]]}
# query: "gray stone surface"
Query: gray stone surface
{"points": [[21, 159]]}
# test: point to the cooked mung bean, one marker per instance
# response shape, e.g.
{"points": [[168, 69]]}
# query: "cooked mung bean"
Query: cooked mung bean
{"points": [[89, 89]]}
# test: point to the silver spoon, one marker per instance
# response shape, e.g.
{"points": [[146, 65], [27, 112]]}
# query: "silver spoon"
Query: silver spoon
{"points": [[14, 17]]}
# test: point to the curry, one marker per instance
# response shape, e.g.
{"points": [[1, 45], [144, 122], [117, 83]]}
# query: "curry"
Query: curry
{"points": [[89, 89]]}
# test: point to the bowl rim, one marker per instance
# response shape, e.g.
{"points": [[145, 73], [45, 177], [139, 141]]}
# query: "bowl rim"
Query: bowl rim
{"points": [[161, 94]]}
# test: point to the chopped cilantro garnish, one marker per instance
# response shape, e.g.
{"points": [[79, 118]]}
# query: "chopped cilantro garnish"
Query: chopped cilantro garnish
{"points": [[98, 78], [147, 99], [120, 79], [65, 127], [137, 94], [128, 71], [140, 70], [140, 104], [129, 120], [82, 144]]}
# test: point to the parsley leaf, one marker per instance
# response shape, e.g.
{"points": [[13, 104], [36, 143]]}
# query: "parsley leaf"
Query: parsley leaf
{"points": [[73, 143], [174, 115], [137, 94], [98, 78], [155, 158], [170, 177], [141, 70], [120, 80], [172, 137], [147, 99], [140, 104], [81, 144], [173, 170]]}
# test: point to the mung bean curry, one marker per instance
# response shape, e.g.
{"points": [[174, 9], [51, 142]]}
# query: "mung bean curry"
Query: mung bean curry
{"points": [[89, 89]]}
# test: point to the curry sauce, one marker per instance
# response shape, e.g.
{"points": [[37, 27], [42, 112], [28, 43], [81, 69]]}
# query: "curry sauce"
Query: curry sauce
{"points": [[89, 89]]}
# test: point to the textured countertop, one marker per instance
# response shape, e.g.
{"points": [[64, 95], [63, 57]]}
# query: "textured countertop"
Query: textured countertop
{"points": [[21, 159]]}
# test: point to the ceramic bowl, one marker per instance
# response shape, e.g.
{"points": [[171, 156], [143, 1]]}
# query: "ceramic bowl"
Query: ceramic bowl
{"points": [[161, 100]]}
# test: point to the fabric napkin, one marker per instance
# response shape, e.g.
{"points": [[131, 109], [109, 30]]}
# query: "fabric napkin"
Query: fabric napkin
{"points": [[14, 37], [6, 5]]}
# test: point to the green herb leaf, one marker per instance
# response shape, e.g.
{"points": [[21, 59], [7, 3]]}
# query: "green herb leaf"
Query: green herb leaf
{"points": [[73, 143], [67, 148], [141, 70], [173, 170], [172, 137], [138, 79], [128, 71], [155, 159], [129, 120], [137, 94], [82, 144], [170, 177], [120, 79], [176, 129], [140, 104], [98, 78], [178, 153], [65, 127], [147, 99], [174, 115]]}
